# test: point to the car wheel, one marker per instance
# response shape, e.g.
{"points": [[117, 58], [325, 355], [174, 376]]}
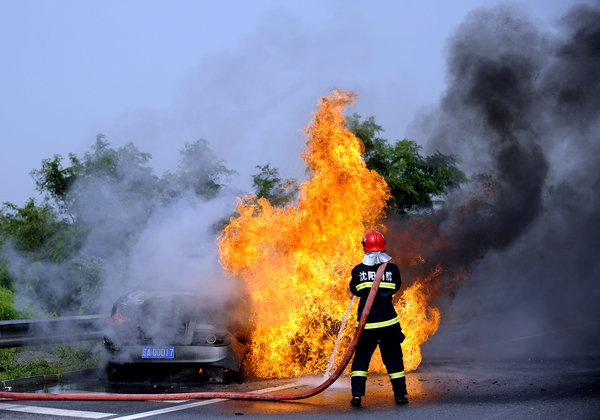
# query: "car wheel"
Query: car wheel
{"points": [[113, 372], [216, 375]]}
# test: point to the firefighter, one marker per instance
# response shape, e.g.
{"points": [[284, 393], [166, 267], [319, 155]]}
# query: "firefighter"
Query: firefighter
{"points": [[382, 327]]}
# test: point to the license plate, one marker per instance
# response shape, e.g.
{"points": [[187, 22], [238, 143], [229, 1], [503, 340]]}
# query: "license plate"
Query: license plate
{"points": [[158, 352]]}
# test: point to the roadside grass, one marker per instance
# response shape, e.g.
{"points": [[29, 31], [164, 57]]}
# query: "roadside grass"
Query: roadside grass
{"points": [[22, 362], [53, 359]]}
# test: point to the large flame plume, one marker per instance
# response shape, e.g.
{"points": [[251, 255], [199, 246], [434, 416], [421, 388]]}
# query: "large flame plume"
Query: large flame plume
{"points": [[296, 261]]}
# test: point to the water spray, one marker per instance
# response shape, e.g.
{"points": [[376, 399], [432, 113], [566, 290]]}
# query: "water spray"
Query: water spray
{"points": [[337, 341], [226, 395]]}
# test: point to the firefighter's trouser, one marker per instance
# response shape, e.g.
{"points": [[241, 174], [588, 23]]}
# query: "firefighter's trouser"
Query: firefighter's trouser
{"points": [[389, 339]]}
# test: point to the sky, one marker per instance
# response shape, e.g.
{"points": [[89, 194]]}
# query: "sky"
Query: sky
{"points": [[243, 75]]}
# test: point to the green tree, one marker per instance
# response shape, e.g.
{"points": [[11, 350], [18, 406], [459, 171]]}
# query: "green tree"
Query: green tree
{"points": [[39, 231], [367, 131], [107, 175], [268, 184], [101, 200], [7, 311], [28, 227], [43, 247], [126, 167], [6, 281], [415, 181], [54, 181], [198, 171]]}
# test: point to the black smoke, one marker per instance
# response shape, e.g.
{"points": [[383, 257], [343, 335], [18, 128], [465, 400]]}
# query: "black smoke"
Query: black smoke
{"points": [[522, 112]]}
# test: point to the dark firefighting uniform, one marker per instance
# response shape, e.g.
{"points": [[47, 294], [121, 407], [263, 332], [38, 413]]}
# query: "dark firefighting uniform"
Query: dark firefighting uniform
{"points": [[383, 328]]}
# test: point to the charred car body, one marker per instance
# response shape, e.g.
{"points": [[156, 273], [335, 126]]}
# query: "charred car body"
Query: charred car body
{"points": [[154, 330]]}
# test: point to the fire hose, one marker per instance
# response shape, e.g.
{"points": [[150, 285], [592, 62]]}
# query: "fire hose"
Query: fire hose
{"points": [[225, 395]]}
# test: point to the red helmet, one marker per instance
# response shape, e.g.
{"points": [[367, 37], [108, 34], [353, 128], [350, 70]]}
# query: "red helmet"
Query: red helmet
{"points": [[373, 241]]}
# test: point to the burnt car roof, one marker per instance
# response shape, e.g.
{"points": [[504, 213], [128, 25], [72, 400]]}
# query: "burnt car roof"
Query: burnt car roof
{"points": [[170, 307]]}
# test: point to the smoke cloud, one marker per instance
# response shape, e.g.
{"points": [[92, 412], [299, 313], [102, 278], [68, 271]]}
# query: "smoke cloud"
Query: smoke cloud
{"points": [[521, 111], [142, 232]]}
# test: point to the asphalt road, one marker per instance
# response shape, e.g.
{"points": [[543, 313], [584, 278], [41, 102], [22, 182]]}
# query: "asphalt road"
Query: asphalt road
{"points": [[440, 389]]}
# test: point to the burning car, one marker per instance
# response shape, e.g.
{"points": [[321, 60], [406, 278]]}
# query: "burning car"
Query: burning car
{"points": [[154, 330]]}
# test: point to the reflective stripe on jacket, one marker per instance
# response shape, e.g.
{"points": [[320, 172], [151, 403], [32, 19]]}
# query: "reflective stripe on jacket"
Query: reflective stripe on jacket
{"points": [[382, 312], [372, 325]]}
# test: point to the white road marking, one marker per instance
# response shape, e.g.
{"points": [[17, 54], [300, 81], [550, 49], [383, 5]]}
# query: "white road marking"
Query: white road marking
{"points": [[54, 411], [169, 409], [171, 401], [194, 404]]}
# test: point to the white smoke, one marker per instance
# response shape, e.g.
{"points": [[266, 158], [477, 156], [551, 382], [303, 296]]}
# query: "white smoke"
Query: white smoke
{"points": [[139, 231]]}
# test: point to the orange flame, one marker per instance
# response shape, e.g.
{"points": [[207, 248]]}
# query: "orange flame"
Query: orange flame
{"points": [[296, 261]]}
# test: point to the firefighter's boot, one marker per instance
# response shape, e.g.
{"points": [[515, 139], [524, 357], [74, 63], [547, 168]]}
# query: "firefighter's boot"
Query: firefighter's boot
{"points": [[401, 399]]}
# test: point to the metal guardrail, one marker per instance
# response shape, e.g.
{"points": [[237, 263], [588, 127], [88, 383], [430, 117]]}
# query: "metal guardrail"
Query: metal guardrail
{"points": [[24, 332]]}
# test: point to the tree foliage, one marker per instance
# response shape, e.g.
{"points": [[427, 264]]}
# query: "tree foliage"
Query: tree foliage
{"points": [[7, 311], [35, 228], [268, 184], [415, 181], [53, 180], [105, 198], [46, 244], [199, 170]]}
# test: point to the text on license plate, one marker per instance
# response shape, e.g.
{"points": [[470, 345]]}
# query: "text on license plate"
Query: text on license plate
{"points": [[158, 352]]}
